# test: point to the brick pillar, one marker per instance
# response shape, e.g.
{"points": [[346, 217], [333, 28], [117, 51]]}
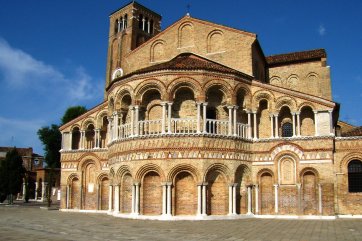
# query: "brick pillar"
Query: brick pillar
{"points": [[256, 198]]}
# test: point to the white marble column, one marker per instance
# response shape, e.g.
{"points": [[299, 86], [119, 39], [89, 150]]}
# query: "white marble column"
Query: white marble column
{"points": [[164, 198], [231, 187], [204, 105], [82, 140], [132, 120], [298, 123], [148, 26], [163, 128], [293, 117], [199, 199], [299, 186], [198, 105], [249, 124], [116, 199], [255, 126], [137, 204], [67, 197], [24, 188], [271, 126], [256, 199], [137, 116], [70, 141], [169, 114], [316, 133], [235, 120], [123, 20], [119, 26], [143, 24], [169, 198], [320, 206], [43, 189], [276, 126], [204, 203], [230, 108], [116, 121], [109, 130], [249, 200], [133, 199], [36, 190], [234, 198], [110, 197], [331, 122], [276, 205], [98, 137]]}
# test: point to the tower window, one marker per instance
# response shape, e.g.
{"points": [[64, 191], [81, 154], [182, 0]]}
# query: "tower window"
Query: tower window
{"points": [[125, 21], [140, 22], [116, 26], [287, 130], [355, 176], [151, 27], [121, 25]]}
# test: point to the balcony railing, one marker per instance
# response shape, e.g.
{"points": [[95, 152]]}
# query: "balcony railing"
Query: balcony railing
{"points": [[179, 126]]}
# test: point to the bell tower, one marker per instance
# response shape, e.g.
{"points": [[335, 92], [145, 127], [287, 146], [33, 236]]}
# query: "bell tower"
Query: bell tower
{"points": [[130, 26]]}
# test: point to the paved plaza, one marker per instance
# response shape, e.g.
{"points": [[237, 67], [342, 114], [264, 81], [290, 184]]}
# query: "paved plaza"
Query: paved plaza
{"points": [[32, 223]]}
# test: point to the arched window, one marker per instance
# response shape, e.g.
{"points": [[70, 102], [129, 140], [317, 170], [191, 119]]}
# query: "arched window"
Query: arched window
{"points": [[355, 176], [287, 129], [146, 29], [140, 22], [116, 26], [151, 27], [121, 24], [125, 21]]}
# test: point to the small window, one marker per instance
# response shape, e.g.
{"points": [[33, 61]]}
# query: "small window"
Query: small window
{"points": [[116, 26], [125, 21], [151, 26], [287, 130], [140, 22], [355, 176]]}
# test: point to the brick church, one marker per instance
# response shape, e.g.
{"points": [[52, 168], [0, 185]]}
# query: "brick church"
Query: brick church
{"points": [[198, 123]]}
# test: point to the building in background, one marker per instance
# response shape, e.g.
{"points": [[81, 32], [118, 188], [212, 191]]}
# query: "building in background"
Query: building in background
{"points": [[197, 122]]}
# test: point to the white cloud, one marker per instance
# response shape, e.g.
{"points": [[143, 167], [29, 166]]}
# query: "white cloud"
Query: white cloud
{"points": [[21, 70], [322, 30]]}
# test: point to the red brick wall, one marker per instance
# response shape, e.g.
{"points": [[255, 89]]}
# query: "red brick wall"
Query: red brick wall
{"points": [[75, 194], [185, 194], [152, 194], [104, 192], [126, 194], [217, 194], [266, 194], [309, 194], [288, 199]]}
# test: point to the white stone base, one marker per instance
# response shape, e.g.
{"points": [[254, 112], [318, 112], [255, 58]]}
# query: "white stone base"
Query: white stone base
{"points": [[214, 217]]}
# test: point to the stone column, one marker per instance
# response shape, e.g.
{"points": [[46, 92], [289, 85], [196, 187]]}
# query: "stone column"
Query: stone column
{"points": [[137, 204], [116, 199], [276, 198], [133, 199], [255, 126], [109, 130], [204, 105], [119, 26], [230, 108], [249, 200], [24, 188], [256, 198], [320, 205], [98, 137], [199, 199], [293, 117], [169, 113], [231, 187], [82, 140], [299, 198], [137, 110], [298, 123], [67, 198], [81, 196], [169, 198], [276, 126], [143, 24], [198, 104], [70, 141], [43, 189], [132, 120], [36, 190], [164, 198], [235, 120], [99, 198], [234, 198], [249, 124], [148, 26], [316, 123], [115, 124], [271, 126], [204, 207], [110, 197], [331, 122], [163, 130], [123, 23]]}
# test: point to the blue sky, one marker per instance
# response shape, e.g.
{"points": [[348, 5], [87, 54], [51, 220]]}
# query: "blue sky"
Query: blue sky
{"points": [[53, 53]]}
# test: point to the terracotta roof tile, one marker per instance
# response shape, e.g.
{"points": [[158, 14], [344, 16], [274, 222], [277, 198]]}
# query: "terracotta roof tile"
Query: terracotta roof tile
{"points": [[189, 61], [354, 132], [296, 57]]}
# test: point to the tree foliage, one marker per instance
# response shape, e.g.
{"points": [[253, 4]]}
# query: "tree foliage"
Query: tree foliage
{"points": [[73, 112], [51, 137], [11, 173]]}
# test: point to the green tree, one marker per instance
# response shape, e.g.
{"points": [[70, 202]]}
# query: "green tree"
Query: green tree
{"points": [[11, 174], [73, 112], [51, 137]]}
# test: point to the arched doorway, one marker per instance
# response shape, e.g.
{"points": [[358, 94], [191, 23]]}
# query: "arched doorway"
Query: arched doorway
{"points": [[217, 198], [152, 194], [309, 189], [185, 194], [266, 193], [126, 193]]}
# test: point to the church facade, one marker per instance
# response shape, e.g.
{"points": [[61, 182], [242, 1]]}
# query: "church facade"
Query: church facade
{"points": [[196, 122]]}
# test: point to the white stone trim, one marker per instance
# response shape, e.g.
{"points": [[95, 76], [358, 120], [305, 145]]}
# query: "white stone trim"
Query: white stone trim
{"points": [[262, 163], [322, 161]]}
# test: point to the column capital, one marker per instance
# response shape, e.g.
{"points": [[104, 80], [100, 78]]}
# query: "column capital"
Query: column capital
{"points": [[330, 111], [297, 112], [293, 113], [169, 183], [276, 114], [276, 185], [230, 107], [136, 107], [205, 183], [247, 111], [315, 111], [199, 103], [299, 185], [256, 186], [205, 103], [254, 111], [236, 107], [136, 183], [163, 103]]}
